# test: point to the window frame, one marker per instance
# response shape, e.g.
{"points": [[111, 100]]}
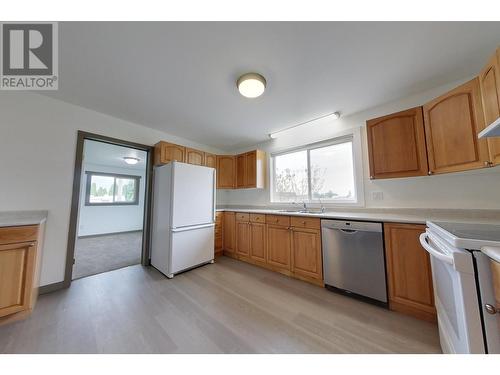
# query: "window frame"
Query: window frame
{"points": [[88, 186], [354, 137]]}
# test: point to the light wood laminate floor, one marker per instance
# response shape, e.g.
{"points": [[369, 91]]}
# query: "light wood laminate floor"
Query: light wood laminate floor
{"points": [[226, 307]]}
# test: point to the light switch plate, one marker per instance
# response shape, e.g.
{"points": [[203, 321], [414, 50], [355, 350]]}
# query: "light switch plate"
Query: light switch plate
{"points": [[377, 195]]}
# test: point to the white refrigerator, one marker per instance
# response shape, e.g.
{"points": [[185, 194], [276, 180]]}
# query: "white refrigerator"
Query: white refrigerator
{"points": [[183, 222]]}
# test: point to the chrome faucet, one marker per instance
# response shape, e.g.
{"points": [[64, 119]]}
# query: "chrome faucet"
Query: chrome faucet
{"points": [[322, 208]]}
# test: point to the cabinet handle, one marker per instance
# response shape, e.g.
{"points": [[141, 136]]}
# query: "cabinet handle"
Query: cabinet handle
{"points": [[304, 222], [31, 245], [486, 163], [430, 172], [371, 177]]}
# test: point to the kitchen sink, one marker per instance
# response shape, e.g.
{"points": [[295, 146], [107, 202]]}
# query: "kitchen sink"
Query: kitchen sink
{"points": [[302, 211]]}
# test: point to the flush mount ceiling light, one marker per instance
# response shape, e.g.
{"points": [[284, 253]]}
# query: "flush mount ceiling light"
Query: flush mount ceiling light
{"points": [[251, 85], [131, 160], [333, 116]]}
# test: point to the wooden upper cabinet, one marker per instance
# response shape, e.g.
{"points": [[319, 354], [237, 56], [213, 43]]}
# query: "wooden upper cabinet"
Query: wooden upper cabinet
{"points": [[166, 152], [210, 160], [489, 80], [396, 145], [452, 122], [409, 275], [241, 171], [229, 232], [226, 171], [195, 157], [251, 169]]}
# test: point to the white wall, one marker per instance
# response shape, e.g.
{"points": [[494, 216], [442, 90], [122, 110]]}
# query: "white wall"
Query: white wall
{"points": [[37, 153], [110, 219], [472, 189]]}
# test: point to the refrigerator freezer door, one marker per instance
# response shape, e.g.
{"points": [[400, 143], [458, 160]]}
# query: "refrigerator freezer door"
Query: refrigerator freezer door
{"points": [[193, 201], [191, 247]]}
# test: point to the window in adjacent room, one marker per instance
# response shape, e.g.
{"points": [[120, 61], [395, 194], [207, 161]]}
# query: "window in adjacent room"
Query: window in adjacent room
{"points": [[111, 189]]}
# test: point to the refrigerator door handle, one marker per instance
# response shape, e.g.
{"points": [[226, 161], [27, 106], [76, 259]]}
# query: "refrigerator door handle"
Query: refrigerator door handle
{"points": [[193, 227]]}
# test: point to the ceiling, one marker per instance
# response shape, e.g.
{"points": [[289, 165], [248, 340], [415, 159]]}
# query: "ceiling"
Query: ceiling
{"points": [[112, 156], [180, 77]]}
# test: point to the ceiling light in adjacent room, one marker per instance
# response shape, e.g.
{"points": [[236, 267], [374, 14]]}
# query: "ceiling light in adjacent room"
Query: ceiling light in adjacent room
{"points": [[251, 85], [131, 160]]}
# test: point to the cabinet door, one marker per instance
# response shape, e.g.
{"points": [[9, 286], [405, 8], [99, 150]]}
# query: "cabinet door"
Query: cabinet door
{"points": [[229, 232], [452, 122], [489, 80], [396, 145], [225, 172], [258, 242], [306, 253], [210, 160], [279, 241], [251, 169], [219, 232], [409, 274], [241, 171], [243, 238], [17, 263], [195, 157]]}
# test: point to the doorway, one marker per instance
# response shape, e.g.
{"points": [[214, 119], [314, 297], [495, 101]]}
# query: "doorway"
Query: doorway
{"points": [[109, 225]]}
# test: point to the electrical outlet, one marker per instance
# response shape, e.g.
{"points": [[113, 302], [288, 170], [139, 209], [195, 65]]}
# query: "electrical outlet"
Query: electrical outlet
{"points": [[377, 195]]}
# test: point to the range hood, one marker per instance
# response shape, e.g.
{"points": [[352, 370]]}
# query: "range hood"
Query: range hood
{"points": [[491, 131]]}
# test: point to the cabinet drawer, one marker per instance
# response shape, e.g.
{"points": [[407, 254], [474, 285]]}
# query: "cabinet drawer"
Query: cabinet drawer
{"points": [[305, 222], [242, 216], [257, 218], [18, 234], [278, 220]]}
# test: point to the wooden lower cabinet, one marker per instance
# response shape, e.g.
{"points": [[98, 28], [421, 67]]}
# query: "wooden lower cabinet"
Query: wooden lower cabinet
{"points": [[229, 233], [243, 239], [20, 255], [16, 276], [279, 246], [258, 242], [219, 233], [409, 275], [306, 253]]}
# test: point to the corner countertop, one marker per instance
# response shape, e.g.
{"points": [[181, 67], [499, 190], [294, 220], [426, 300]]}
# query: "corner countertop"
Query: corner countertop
{"points": [[492, 252], [397, 215], [19, 218]]}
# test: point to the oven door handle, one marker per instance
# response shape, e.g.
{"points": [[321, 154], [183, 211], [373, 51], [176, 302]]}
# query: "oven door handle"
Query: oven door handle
{"points": [[433, 251]]}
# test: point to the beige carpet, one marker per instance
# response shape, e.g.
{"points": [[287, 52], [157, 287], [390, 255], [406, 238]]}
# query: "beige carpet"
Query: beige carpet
{"points": [[99, 254]]}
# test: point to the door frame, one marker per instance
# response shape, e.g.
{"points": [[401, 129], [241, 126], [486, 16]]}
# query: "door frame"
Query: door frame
{"points": [[75, 200]]}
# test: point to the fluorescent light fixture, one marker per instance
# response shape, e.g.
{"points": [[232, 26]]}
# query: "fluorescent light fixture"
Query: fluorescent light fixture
{"points": [[333, 115], [131, 160], [251, 85]]}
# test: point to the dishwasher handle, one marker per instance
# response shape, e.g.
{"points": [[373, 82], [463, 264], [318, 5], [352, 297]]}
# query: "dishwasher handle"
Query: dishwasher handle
{"points": [[349, 231]]}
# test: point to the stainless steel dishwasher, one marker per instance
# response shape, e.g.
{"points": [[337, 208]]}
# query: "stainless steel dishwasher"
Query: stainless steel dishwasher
{"points": [[353, 259]]}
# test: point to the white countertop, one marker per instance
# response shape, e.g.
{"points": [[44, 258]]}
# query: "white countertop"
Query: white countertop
{"points": [[398, 215], [492, 252], [19, 218]]}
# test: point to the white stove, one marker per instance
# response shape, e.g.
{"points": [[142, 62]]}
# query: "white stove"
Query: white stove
{"points": [[463, 286]]}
